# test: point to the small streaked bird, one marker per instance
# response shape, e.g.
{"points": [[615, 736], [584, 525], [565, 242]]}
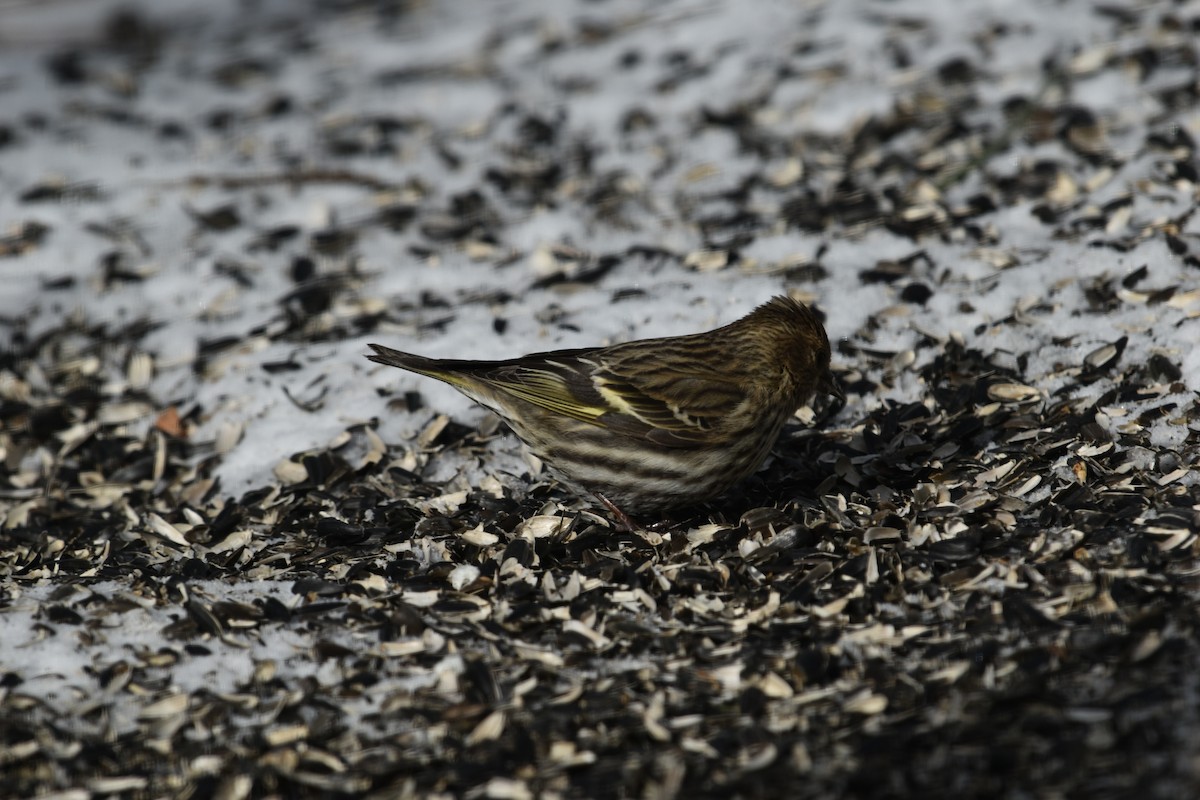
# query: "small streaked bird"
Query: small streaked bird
{"points": [[656, 423]]}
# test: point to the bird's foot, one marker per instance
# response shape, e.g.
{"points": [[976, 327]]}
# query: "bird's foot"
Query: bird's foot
{"points": [[625, 523]]}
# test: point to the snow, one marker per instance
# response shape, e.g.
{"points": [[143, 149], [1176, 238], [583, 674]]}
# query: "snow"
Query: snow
{"points": [[144, 178]]}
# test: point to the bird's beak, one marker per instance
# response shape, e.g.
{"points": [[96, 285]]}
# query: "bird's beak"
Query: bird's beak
{"points": [[832, 387]]}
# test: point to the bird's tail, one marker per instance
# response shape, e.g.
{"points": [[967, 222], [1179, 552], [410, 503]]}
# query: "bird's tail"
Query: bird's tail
{"points": [[432, 367], [394, 358]]}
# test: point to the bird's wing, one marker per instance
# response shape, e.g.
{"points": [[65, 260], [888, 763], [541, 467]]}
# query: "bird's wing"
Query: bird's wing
{"points": [[671, 406], [558, 382]]}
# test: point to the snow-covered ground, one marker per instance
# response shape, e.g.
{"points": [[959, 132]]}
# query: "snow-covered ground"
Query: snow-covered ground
{"points": [[270, 186]]}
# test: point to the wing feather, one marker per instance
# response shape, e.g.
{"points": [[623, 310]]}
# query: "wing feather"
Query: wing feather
{"points": [[673, 406], [671, 409], [549, 389]]}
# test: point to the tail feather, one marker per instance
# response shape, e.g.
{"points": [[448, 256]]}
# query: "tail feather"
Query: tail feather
{"points": [[395, 358], [443, 370]]}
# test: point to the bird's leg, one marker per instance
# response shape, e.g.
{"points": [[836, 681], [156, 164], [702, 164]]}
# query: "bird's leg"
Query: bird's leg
{"points": [[624, 521]]}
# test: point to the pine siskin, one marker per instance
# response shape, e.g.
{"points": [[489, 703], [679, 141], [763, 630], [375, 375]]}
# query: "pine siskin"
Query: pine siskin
{"points": [[655, 423]]}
